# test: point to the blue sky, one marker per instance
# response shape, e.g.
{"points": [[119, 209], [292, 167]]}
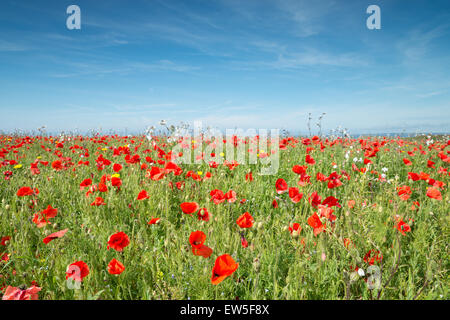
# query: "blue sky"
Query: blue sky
{"points": [[227, 63]]}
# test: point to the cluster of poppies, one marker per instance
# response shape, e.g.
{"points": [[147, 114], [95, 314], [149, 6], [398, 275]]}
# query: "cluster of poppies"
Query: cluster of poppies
{"points": [[320, 220]]}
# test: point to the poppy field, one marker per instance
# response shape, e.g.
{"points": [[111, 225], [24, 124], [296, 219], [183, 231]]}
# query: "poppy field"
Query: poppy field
{"points": [[116, 217]]}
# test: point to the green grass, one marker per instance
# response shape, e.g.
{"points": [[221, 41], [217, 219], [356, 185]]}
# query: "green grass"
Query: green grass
{"points": [[159, 263]]}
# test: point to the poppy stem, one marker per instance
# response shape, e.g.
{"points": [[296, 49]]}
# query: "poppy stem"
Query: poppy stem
{"points": [[395, 267]]}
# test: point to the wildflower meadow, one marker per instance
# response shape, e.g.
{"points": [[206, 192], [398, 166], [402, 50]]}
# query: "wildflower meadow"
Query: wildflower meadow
{"points": [[118, 217]]}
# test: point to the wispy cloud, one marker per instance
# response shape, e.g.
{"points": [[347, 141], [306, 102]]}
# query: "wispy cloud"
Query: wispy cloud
{"points": [[307, 15], [417, 43], [431, 94], [125, 68], [6, 46], [314, 57], [306, 58]]}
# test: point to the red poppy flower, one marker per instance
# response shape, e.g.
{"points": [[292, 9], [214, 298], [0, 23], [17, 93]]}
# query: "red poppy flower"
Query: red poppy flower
{"points": [[317, 225], [77, 271], [173, 167], [189, 207], [98, 202], [334, 180], [180, 185], [315, 199], [295, 195], [244, 242], [154, 220], [193, 176], [115, 267], [402, 226], [8, 174], [197, 238], [331, 202], [407, 162], [50, 212], [4, 257], [230, 196], [41, 218], [436, 183], [85, 183], [118, 241], [434, 193], [348, 243], [143, 195], [203, 214], [57, 165], [54, 236], [217, 196], [223, 267], [424, 176], [116, 182], [203, 251], [404, 192], [132, 159], [321, 177], [213, 164], [34, 169], [413, 176], [275, 203], [231, 165], [327, 212], [415, 205], [309, 159], [4, 240], [301, 170], [14, 293], [245, 220], [26, 191], [281, 186], [117, 167], [208, 175], [156, 173], [373, 256], [102, 187], [295, 228]]}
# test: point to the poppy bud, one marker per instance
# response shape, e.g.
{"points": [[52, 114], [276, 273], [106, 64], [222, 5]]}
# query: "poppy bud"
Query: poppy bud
{"points": [[256, 264], [7, 207]]}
